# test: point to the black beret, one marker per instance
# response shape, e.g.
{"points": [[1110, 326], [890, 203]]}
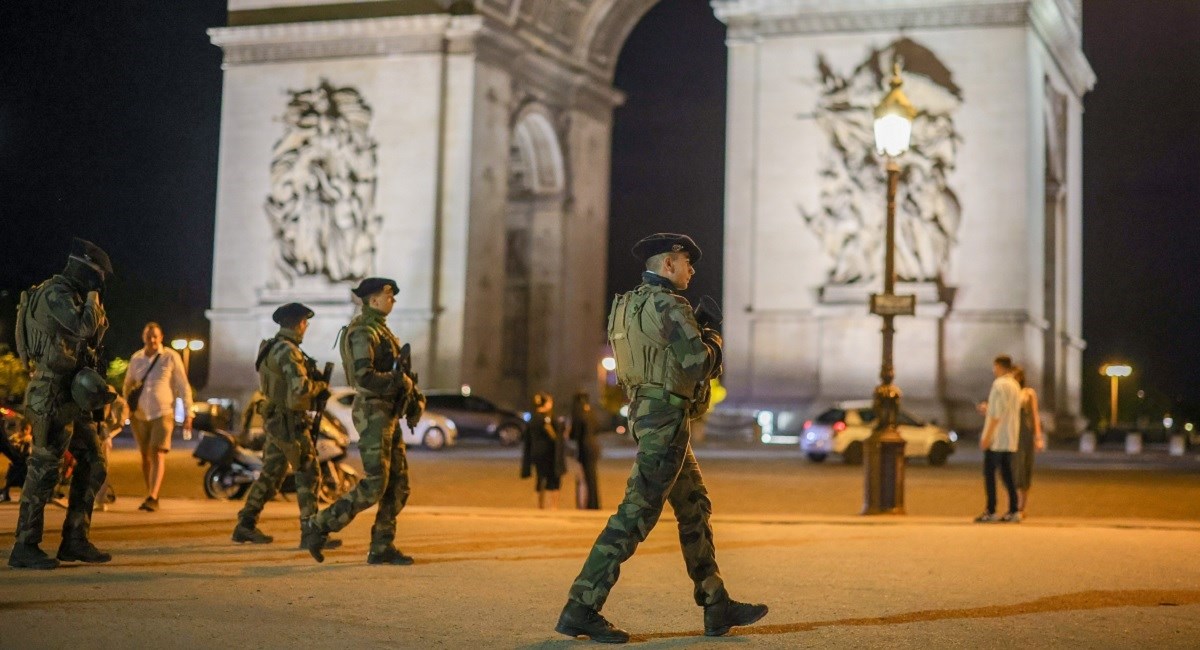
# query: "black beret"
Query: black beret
{"points": [[291, 313], [666, 242], [371, 286], [91, 254]]}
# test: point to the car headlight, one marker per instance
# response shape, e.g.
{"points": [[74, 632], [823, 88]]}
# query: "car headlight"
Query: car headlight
{"points": [[953, 437]]}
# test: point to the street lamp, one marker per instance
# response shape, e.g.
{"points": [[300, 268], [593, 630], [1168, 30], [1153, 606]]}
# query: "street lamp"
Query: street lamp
{"points": [[884, 480], [1114, 371], [187, 346]]}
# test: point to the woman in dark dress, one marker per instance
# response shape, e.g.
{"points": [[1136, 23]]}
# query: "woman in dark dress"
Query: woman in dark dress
{"points": [[544, 452], [1030, 441], [583, 433]]}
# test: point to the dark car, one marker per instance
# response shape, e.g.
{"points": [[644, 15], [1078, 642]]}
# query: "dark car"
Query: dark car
{"points": [[476, 417]]}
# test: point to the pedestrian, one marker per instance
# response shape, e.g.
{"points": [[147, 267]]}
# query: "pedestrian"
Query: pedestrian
{"points": [[582, 430], [1001, 432], [155, 379], [544, 450], [285, 378], [663, 358], [383, 393], [1030, 440], [116, 415], [17, 447], [60, 324]]}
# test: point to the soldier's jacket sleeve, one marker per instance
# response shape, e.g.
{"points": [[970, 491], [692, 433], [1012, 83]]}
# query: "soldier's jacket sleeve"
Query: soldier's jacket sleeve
{"points": [[362, 350], [301, 389], [682, 334], [83, 321]]}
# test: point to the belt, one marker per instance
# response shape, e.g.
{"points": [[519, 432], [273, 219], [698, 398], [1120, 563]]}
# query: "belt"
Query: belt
{"points": [[654, 391]]}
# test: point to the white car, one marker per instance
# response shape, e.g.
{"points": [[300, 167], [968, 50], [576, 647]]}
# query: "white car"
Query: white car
{"points": [[432, 432], [844, 428]]}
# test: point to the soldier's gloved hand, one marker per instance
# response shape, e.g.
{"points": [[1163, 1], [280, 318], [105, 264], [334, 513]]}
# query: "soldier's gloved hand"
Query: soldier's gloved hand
{"points": [[711, 337], [403, 383], [416, 408]]}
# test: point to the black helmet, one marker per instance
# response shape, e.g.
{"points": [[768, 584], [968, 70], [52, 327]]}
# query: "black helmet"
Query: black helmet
{"points": [[90, 390]]}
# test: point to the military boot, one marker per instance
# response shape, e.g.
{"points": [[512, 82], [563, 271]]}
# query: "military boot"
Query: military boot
{"points": [[580, 620], [721, 616], [313, 540], [247, 531], [75, 549], [389, 555], [331, 543], [29, 556]]}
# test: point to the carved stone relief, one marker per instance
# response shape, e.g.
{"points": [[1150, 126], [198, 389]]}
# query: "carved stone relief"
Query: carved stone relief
{"points": [[851, 216], [323, 182]]}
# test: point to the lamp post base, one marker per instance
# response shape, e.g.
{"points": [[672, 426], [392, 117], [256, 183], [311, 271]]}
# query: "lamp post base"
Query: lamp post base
{"points": [[884, 461]]}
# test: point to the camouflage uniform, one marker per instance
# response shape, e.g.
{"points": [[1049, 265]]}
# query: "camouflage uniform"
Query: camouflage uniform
{"points": [[284, 380], [670, 372], [62, 317], [369, 352]]}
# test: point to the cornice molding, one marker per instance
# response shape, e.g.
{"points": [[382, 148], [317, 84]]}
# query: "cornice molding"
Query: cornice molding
{"points": [[1055, 22], [375, 37]]}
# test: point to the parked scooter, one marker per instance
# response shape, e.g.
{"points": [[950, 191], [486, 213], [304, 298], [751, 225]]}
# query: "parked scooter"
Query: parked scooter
{"points": [[235, 461]]}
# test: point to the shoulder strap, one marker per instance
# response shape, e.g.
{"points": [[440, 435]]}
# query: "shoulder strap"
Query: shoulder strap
{"points": [[152, 364], [266, 350]]}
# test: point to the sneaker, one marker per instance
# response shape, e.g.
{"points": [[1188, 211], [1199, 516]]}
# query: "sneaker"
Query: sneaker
{"points": [[29, 556], [720, 617], [149, 505], [579, 620], [987, 518], [1011, 518], [389, 555], [81, 550]]}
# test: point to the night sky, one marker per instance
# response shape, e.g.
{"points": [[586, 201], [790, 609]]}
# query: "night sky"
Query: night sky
{"points": [[109, 124]]}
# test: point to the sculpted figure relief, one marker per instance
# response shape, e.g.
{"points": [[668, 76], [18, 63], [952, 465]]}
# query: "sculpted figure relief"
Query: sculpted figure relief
{"points": [[850, 218], [323, 180]]}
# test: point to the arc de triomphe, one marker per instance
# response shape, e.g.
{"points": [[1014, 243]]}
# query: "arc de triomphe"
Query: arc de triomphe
{"points": [[464, 149]]}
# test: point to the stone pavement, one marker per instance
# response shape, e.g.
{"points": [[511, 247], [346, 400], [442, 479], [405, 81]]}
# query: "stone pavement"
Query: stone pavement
{"points": [[493, 577]]}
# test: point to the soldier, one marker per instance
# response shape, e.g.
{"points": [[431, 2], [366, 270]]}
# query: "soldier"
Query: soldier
{"points": [[383, 393], [285, 377], [59, 326], [664, 361]]}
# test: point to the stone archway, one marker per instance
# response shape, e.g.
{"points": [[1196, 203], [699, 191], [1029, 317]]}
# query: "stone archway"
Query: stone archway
{"points": [[532, 243]]}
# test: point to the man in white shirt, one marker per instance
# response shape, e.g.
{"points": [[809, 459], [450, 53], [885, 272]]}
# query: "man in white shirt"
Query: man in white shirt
{"points": [[160, 373], [1001, 433]]}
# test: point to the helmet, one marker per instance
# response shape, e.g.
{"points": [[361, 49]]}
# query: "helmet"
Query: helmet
{"points": [[90, 390]]}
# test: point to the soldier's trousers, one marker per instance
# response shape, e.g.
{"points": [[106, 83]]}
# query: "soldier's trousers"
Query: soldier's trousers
{"points": [[385, 464], [54, 432], [288, 443], [665, 470]]}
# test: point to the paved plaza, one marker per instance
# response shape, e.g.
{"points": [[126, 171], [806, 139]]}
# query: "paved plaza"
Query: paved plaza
{"points": [[495, 574]]}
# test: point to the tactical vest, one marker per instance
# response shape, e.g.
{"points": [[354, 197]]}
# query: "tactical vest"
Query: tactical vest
{"points": [[384, 343], [271, 380], [642, 355], [40, 339]]}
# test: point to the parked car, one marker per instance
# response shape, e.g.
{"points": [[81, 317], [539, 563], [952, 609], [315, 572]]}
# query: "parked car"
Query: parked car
{"points": [[845, 427], [433, 431], [475, 416]]}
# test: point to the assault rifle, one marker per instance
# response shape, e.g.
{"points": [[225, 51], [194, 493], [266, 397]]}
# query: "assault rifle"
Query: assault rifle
{"points": [[404, 365], [708, 316], [314, 430], [708, 313]]}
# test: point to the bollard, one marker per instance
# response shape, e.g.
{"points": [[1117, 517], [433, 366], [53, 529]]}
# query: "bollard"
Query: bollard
{"points": [[1133, 443], [1087, 443], [1177, 445]]}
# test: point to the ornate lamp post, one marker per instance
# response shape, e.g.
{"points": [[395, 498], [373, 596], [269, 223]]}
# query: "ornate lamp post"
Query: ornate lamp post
{"points": [[1114, 371], [884, 488]]}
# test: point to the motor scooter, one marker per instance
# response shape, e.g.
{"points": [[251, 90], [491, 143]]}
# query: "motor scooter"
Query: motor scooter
{"points": [[235, 461]]}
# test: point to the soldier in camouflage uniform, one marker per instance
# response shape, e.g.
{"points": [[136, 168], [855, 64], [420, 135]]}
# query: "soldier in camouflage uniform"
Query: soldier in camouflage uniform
{"points": [[59, 325], [285, 378], [382, 394], [664, 362]]}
